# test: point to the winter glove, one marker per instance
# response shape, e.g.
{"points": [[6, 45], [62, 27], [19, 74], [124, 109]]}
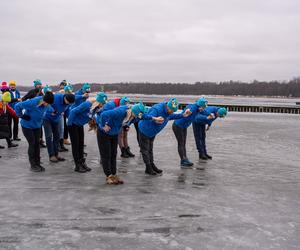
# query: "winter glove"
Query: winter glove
{"points": [[26, 117]]}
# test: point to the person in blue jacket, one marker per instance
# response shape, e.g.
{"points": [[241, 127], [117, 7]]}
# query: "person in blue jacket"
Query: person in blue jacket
{"points": [[15, 98], [180, 126], [78, 117], [51, 123], [82, 94], [68, 89], [149, 129], [201, 124], [116, 102], [37, 91], [62, 128], [109, 124], [31, 113], [123, 135]]}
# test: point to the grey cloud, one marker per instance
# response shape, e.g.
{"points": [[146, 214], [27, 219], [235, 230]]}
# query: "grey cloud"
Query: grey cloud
{"points": [[143, 40]]}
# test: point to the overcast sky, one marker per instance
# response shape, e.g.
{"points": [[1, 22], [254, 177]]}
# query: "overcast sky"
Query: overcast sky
{"points": [[149, 40]]}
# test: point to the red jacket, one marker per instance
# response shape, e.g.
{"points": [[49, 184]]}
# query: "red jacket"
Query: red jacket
{"points": [[5, 111], [8, 109]]}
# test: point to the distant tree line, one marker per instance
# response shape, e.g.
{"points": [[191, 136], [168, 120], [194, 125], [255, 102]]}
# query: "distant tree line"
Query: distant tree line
{"points": [[255, 88]]}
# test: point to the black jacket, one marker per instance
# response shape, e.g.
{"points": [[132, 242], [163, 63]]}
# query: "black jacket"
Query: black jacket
{"points": [[32, 93]]}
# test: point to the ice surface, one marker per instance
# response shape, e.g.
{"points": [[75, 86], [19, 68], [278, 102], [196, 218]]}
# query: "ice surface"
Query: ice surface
{"points": [[247, 197]]}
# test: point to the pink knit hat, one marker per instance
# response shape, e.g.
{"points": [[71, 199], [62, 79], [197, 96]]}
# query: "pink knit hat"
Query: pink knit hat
{"points": [[4, 86]]}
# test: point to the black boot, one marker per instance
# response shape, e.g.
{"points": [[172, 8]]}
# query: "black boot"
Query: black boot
{"points": [[83, 162], [202, 157], [129, 152], [149, 170], [79, 167], [155, 169], [10, 144], [124, 153], [209, 157], [62, 147], [34, 167], [38, 163]]}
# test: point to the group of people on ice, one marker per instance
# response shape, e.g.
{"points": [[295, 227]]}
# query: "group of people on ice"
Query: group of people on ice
{"points": [[65, 113]]}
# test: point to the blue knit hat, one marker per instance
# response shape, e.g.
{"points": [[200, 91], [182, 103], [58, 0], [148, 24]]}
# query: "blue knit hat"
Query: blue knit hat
{"points": [[173, 104], [86, 87], [202, 102], [101, 97], [47, 89], [222, 112], [37, 82], [68, 88], [124, 101], [138, 109]]}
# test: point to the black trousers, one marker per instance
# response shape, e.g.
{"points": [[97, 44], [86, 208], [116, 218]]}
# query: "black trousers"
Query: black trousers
{"points": [[200, 137], [180, 134], [146, 144], [136, 126], [8, 140], [13, 132], [77, 141], [66, 131], [41, 134], [33, 138], [108, 147]]}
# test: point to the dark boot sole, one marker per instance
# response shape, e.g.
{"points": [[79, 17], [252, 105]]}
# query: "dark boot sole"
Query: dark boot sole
{"points": [[36, 170], [80, 171], [152, 173]]}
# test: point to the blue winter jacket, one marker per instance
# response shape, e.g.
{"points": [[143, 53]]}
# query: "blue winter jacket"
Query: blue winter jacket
{"points": [[113, 118], [79, 98], [32, 109], [144, 117], [151, 128], [58, 107], [185, 122], [109, 105], [15, 95], [80, 115], [201, 117]]}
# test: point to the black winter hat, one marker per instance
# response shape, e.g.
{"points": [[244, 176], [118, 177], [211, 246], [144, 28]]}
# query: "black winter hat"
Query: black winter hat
{"points": [[63, 83], [70, 98], [48, 97]]}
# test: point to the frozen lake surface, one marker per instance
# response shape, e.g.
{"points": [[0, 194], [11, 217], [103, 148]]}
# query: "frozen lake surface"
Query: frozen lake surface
{"points": [[214, 99], [247, 197]]}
